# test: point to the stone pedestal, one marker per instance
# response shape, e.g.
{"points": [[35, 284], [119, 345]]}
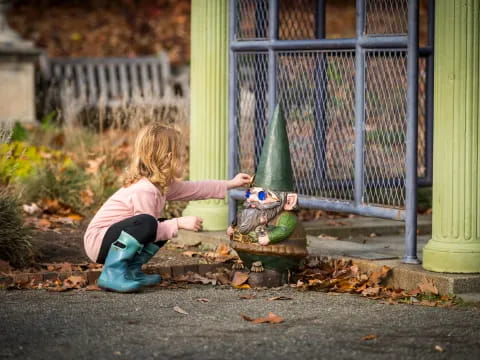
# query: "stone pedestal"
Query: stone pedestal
{"points": [[455, 243], [17, 74], [17, 86], [209, 105]]}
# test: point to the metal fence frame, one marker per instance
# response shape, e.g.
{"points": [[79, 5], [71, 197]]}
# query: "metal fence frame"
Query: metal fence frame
{"points": [[360, 44]]}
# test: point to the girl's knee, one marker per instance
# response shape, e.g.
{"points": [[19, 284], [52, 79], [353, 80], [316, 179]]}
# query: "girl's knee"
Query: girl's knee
{"points": [[146, 220]]}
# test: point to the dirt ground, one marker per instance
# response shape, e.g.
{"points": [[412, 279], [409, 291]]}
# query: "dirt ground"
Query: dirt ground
{"points": [[65, 244]]}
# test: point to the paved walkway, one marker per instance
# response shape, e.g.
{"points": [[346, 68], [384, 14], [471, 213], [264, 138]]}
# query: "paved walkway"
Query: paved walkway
{"points": [[100, 325]]}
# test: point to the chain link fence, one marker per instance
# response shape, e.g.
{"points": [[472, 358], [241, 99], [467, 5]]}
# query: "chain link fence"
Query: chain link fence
{"points": [[316, 89]]}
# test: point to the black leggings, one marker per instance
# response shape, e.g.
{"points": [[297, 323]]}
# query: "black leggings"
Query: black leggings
{"points": [[142, 227]]}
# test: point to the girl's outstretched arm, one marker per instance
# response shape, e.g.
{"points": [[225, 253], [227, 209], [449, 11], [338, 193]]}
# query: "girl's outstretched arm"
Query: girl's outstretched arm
{"points": [[200, 190]]}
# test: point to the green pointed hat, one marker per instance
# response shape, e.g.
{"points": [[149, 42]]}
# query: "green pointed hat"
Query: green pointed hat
{"points": [[274, 171]]}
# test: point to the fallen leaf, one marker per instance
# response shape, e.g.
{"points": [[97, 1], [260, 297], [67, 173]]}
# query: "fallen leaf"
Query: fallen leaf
{"points": [[179, 310], [75, 217], [222, 249], [243, 286], [239, 278], [427, 286], [65, 267], [248, 297], [368, 337], [355, 270], [74, 282], [439, 348], [43, 224], [280, 298], [32, 209], [377, 276], [327, 237], [202, 300], [223, 278], [93, 287], [371, 291], [428, 303], [270, 318]]}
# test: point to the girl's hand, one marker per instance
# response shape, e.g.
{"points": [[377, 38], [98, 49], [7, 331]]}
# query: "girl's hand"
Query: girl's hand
{"points": [[193, 223], [239, 180]]}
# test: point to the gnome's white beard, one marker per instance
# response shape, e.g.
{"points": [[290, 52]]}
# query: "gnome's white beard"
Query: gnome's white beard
{"points": [[250, 217]]}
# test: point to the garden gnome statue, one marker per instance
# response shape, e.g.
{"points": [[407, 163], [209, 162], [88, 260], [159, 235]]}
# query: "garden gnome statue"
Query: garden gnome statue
{"points": [[267, 235]]}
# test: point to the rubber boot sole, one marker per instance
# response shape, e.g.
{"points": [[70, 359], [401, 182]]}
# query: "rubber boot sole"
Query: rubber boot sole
{"points": [[120, 291]]}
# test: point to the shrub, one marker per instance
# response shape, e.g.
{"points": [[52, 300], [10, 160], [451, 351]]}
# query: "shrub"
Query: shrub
{"points": [[56, 181], [15, 245]]}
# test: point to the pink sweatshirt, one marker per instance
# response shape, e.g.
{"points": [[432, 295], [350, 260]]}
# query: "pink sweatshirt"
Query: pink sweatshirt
{"points": [[145, 198]]}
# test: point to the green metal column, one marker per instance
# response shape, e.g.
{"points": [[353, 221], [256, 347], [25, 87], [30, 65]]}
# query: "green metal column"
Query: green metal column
{"points": [[209, 105], [455, 243]]}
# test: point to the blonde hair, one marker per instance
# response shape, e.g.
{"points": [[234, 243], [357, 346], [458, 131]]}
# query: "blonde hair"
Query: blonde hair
{"points": [[157, 156]]}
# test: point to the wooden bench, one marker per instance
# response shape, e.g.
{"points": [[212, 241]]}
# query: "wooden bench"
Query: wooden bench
{"points": [[113, 82]]}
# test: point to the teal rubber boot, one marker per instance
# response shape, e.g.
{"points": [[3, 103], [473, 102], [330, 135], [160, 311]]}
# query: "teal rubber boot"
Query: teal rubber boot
{"points": [[134, 271], [114, 273]]}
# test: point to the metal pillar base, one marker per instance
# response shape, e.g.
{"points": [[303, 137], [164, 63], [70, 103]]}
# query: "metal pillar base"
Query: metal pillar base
{"points": [[411, 260]]}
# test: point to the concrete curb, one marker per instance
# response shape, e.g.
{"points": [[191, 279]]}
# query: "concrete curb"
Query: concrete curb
{"points": [[408, 277], [91, 276], [403, 276]]}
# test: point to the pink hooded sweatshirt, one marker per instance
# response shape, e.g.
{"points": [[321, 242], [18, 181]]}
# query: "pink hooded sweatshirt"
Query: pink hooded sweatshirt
{"points": [[143, 197]]}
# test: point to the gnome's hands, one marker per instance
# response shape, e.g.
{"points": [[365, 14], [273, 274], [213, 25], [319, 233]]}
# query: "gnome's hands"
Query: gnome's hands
{"points": [[263, 239]]}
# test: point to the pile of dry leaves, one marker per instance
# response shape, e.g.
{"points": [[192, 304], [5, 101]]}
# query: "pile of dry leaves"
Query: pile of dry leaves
{"points": [[342, 276]]}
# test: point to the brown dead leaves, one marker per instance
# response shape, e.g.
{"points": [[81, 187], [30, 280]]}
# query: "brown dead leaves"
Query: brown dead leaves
{"points": [[57, 285], [271, 318], [239, 278], [223, 253], [341, 276], [51, 214]]}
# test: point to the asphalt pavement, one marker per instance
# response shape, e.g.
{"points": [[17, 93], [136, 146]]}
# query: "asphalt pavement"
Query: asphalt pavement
{"points": [[100, 325]]}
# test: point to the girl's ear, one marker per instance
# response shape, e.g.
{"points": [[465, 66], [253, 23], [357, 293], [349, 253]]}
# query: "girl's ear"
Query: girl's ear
{"points": [[292, 199]]}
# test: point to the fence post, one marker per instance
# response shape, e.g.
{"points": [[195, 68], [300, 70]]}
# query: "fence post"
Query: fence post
{"points": [[410, 255], [359, 106]]}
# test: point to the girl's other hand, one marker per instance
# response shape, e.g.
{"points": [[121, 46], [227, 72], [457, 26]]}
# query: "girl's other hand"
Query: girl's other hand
{"points": [[193, 223], [240, 180]]}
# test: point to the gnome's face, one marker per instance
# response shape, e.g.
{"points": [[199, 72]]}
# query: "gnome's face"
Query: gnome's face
{"points": [[261, 206]]}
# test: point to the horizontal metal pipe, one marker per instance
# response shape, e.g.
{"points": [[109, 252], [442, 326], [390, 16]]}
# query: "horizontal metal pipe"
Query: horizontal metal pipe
{"points": [[383, 42], [324, 44], [339, 206], [370, 42]]}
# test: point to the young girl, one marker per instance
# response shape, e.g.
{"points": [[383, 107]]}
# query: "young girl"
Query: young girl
{"points": [[127, 232]]}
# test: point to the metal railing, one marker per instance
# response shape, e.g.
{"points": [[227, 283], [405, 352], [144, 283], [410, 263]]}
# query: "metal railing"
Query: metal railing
{"points": [[352, 104]]}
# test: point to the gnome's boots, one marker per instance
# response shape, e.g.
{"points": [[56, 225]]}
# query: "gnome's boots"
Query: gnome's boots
{"points": [[114, 273], [134, 271]]}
